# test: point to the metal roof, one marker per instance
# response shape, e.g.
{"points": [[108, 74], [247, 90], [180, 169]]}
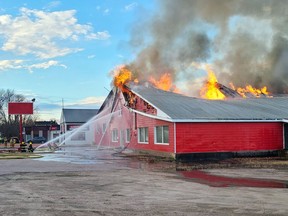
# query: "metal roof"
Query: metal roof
{"points": [[180, 107], [78, 115]]}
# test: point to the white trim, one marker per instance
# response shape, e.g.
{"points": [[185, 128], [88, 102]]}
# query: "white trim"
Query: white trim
{"points": [[175, 146], [117, 135], [165, 144], [283, 128], [205, 120], [127, 141], [155, 135], [138, 136], [226, 120]]}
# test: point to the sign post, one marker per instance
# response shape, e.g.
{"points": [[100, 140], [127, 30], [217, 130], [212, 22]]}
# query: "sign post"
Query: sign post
{"points": [[20, 108]]}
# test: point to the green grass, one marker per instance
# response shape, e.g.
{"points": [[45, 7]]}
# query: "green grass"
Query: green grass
{"points": [[18, 155]]}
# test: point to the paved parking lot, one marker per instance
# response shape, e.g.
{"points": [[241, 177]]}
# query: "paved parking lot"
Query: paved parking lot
{"points": [[83, 181]]}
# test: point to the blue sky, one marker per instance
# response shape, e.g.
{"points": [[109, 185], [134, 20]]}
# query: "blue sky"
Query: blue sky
{"points": [[63, 51]]}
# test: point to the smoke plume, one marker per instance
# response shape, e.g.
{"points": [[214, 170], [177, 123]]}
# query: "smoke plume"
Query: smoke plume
{"points": [[246, 42]]}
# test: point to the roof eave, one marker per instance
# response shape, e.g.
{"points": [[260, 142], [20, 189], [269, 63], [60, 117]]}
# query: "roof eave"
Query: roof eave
{"points": [[206, 120]]}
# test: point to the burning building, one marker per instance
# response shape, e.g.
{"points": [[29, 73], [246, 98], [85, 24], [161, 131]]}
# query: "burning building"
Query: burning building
{"points": [[142, 117], [245, 42]]}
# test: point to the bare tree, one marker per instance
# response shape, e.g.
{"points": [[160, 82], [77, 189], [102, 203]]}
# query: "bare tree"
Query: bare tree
{"points": [[9, 124]]}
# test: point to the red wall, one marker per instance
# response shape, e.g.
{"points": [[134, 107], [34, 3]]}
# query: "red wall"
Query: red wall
{"points": [[227, 137], [191, 137], [143, 121], [132, 121]]}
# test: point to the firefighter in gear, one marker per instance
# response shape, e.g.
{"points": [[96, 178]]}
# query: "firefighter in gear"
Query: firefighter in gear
{"points": [[30, 147], [23, 147]]}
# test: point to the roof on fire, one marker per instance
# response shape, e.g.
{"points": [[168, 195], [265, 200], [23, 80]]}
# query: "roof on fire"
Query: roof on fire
{"points": [[78, 115], [180, 107]]}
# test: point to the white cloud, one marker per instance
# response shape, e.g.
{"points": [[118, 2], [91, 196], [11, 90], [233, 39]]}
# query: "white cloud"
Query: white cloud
{"points": [[11, 64], [87, 102], [91, 100], [91, 56], [45, 65], [21, 64], [39, 33], [130, 6], [99, 36], [53, 4]]}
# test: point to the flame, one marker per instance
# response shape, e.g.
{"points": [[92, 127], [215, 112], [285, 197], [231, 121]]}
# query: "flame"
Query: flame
{"points": [[165, 83], [122, 76], [210, 89], [244, 92]]}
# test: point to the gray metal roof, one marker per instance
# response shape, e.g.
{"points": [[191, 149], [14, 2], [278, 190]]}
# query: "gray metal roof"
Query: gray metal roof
{"points": [[78, 115], [178, 106]]}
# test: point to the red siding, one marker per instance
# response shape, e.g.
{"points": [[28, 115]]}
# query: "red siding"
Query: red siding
{"points": [[228, 137], [127, 120], [143, 121]]}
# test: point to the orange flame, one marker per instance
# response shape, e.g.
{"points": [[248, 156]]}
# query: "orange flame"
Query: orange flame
{"points": [[210, 90], [122, 76], [244, 92], [164, 83]]}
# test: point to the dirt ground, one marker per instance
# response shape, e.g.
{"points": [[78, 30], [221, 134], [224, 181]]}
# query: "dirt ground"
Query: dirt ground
{"points": [[83, 181]]}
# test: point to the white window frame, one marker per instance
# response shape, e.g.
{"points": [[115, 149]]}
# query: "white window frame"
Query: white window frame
{"points": [[146, 135], [104, 128], [79, 136], [115, 135], [162, 132], [128, 135]]}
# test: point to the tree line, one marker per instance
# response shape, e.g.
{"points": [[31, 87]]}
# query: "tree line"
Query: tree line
{"points": [[9, 124]]}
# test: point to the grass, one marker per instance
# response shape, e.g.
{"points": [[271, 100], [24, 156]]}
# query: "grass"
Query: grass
{"points": [[18, 155]]}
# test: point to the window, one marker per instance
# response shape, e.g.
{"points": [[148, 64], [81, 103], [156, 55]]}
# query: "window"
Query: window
{"points": [[161, 134], [128, 135], [79, 136], [143, 135], [104, 128], [114, 135]]}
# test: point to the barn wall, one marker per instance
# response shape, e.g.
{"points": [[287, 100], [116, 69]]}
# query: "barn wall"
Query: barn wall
{"points": [[228, 137], [122, 119], [143, 121]]}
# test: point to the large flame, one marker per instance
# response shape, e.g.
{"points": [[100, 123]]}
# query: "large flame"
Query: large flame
{"points": [[210, 89], [165, 83], [122, 76], [244, 92]]}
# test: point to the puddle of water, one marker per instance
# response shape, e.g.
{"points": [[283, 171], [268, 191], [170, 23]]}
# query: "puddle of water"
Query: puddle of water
{"points": [[223, 181]]}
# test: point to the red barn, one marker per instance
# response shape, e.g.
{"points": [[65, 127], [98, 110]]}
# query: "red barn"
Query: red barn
{"points": [[149, 119]]}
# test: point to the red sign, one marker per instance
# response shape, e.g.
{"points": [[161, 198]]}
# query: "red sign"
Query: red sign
{"points": [[19, 108], [53, 128]]}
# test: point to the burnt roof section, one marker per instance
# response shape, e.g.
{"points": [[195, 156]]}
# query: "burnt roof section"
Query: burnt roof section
{"points": [[78, 115], [180, 107]]}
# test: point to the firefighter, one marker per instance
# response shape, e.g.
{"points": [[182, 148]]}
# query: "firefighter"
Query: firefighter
{"points": [[30, 147], [23, 147], [5, 142]]}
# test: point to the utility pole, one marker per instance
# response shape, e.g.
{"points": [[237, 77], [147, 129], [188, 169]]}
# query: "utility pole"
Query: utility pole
{"points": [[62, 103]]}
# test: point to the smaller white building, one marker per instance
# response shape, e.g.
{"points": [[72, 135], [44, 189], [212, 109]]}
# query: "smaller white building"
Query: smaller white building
{"points": [[77, 127]]}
